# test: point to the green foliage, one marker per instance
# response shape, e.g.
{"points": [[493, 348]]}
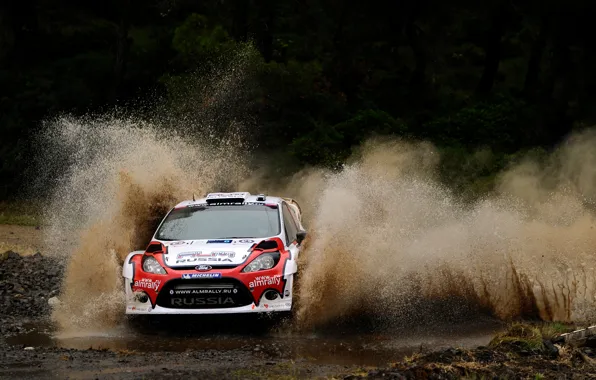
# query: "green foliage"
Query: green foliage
{"points": [[495, 123], [528, 336], [196, 40], [325, 76], [20, 213], [330, 145], [519, 337]]}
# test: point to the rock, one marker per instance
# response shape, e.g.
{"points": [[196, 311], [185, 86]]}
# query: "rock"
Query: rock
{"points": [[29, 348], [53, 301], [18, 289], [13, 255], [27, 283], [550, 349]]}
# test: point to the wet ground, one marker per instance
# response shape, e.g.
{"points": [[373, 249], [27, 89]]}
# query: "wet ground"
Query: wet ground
{"points": [[231, 347], [240, 347], [344, 346]]}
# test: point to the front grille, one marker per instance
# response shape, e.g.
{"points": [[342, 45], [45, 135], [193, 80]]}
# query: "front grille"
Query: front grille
{"points": [[215, 267], [204, 294]]}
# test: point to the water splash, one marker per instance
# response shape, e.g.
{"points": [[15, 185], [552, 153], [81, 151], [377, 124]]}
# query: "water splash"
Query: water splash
{"points": [[389, 239]]}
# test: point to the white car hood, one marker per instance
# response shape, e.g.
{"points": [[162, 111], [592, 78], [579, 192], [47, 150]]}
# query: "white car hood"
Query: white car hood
{"points": [[213, 252]]}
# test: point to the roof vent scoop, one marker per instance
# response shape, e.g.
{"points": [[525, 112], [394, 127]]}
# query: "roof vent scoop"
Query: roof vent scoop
{"points": [[261, 198]]}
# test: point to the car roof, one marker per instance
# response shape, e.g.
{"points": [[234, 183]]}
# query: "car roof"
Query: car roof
{"points": [[232, 198]]}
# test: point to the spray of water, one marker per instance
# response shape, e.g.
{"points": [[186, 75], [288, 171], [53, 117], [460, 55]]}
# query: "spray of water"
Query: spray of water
{"points": [[122, 180], [111, 179], [389, 239], [386, 238]]}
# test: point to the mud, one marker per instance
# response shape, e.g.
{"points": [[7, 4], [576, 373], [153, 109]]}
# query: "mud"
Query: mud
{"points": [[234, 347], [324, 348], [246, 356], [386, 233]]}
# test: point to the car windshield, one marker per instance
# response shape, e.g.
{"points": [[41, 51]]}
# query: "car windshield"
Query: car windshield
{"points": [[220, 222]]}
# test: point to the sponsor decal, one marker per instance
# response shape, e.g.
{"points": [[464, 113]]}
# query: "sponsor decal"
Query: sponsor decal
{"points": [[202, 301], [203, 267], [220, 241], [264, 281], [133, 308], [202, 259], [272, 306], [147, 283], [188, 276], [279, 305], [197, 205], [190, 254], [189, 257], [243, 241], [229, 254], [180, 242], [203, 291], [227, 195]]}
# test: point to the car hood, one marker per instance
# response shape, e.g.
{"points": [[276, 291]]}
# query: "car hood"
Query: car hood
{"points": [[213, 252]]}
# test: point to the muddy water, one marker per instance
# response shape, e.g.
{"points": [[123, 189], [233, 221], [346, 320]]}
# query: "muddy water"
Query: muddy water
{"points": [[340, 346]]}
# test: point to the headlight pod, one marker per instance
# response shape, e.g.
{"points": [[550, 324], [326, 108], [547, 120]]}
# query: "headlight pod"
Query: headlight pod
{"points": [[262, 262], [151, 265]]}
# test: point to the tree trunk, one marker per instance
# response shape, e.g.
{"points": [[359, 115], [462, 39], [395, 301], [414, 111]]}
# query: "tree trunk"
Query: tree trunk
{"points": [[559, 91], [6, 32], [240, 20], [267, 13], [533, 70], [420, 59], [122, 49], [493, 50]]}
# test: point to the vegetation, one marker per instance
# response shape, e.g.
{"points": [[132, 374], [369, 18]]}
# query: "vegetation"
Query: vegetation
{"points": [[20, 213], [464, 75], [528, 337]]}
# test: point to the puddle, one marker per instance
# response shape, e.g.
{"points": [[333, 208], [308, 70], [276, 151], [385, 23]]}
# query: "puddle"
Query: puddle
{"points": [[347, 346]]}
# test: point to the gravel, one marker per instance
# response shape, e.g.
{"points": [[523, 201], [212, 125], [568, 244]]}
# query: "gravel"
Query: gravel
{"points": [[26, 285]]}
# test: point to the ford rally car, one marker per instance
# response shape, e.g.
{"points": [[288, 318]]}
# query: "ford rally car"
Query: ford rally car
{"points": [[225, 253]]}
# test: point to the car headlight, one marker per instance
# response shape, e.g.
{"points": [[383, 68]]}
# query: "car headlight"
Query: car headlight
{"points": [[262, 262], [151, 265]]}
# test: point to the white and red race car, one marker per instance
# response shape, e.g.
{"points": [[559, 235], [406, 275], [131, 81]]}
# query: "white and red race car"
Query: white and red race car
{"points": [[225, 253]]}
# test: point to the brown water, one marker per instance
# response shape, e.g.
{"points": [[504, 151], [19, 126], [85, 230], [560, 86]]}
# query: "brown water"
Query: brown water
{"points": [[386, 238], [323, 347], [384, 233]]}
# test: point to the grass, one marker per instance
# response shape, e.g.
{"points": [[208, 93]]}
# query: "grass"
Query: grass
{"points": [[529, 336], [22, 213]]}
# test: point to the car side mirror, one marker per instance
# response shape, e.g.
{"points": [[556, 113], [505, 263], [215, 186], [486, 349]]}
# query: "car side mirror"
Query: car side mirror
{"points": [[300, 236]]}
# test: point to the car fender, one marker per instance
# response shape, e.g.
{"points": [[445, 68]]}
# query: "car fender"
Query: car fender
{"points": [[127, 271]]}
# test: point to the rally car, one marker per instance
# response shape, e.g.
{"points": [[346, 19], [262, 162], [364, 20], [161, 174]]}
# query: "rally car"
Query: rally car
{"points": [[225, 253]]}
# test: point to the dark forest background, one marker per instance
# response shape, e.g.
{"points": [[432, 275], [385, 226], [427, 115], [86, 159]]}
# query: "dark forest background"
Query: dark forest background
{"points": [[463, 74]]}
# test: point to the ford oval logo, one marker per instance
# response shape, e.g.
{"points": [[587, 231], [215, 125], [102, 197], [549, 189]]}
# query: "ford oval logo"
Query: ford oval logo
{"points": [[203, 267]]}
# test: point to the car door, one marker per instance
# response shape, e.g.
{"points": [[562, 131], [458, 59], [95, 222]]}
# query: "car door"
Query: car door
{"points": [[290, 231]]}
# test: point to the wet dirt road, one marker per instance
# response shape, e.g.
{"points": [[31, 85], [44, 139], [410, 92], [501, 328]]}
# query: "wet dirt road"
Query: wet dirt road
{"points": [[232, 344], [206, 347]]}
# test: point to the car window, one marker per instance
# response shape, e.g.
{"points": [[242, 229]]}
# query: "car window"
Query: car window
{"points": [[219, 222], [289, 224]]}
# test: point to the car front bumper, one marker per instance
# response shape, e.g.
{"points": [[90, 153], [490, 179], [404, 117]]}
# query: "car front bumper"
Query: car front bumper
{"points": [[187, 297], [268, 307]]}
